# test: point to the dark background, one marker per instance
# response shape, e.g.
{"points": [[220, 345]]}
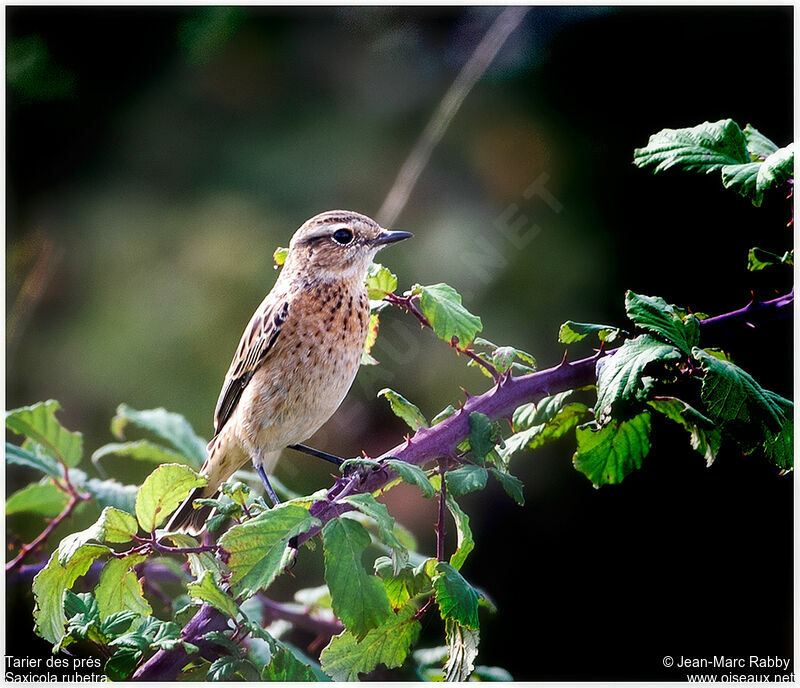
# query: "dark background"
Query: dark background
{"points": [[159, 155]]}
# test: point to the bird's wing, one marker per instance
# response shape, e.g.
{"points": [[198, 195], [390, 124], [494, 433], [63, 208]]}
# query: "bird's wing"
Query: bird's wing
{"points": [[258, 339]]}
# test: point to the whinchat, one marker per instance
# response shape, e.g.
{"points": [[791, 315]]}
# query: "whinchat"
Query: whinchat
{"points": [[298, 354]]}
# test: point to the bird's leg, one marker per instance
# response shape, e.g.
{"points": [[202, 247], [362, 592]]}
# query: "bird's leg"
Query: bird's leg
{"points": [[267, 486], [316, 452]]}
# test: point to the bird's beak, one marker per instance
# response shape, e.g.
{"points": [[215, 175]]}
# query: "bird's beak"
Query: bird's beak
{"points": [[389, 237]]}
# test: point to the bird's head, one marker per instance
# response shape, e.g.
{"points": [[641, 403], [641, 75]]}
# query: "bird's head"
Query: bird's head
{"points": [[338, 244]]}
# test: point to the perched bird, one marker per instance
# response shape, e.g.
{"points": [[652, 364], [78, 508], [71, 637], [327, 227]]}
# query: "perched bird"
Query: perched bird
{"points": [[297, 356]]}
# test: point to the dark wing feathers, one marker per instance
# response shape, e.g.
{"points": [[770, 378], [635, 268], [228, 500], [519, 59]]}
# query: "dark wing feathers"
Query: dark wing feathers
{"points": [[256, 342]]}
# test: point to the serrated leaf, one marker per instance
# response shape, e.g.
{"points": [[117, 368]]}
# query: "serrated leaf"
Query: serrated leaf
{"points": [[511, 484], [380, 281], [571, 332], [119, 588], [346, 657], [481, 436], [39, 423], [412, 474], [111, 493], [117, 623], [703, 436], [456, 598], [112, 525], [705, 148], [141, 450], [758, 145], [199, 562], [622, 376], [609, 454], [463, 649], [23, 457], [358, 599], [558, 425], [82, 613], [171, 427], [223, 668], [735, 401], [465, 543], [284, 666], [403, 585], [466, 479], [162, 491], [404, 409], [43, 499], [441, 305], [206, 590], [753, 179], [654, 314], [122, 663], [49, 586], [259, 548], [368, 506]]}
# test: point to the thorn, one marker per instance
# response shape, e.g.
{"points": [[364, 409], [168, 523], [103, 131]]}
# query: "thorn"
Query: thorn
{"points": [[460, 406], [749, 324], [408, 440], [466, 393], [566, 352]]}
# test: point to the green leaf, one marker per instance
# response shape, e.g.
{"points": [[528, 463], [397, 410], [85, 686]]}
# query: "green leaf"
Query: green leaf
{"points": [[758, 145], [704, 437], [622, 376], [259, 548], [736, 402], [358, 599], [122, 663], [412, 474], [81, 610], [199, 562], [171, 427], [372, 337], [23, 457], [609, 454], [780, 450], [113, 525], [402, 586], [654, 314], [206, 590], [117, 623], [465, 543], [49, 586], [705, 148], [141, 450], [284, 666], [456, 598], [111, 493], [368, 506], [44, 499], [492, 673], [511, 484], [346, 657], [758, 259], [753, 179], [380, 281], [466, 479], [162, 491], [39, 423], [279, 256], [119, 588], [403, 408], [463, 649], [481, 436], [441, 305], [444, 413], [223, 668], [571, 332]]}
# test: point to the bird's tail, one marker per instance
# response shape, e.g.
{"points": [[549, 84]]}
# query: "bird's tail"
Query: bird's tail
{"points": [[224, 459]]}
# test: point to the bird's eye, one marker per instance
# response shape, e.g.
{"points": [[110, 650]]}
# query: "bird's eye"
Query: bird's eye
{"points": [[343, 236]]}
